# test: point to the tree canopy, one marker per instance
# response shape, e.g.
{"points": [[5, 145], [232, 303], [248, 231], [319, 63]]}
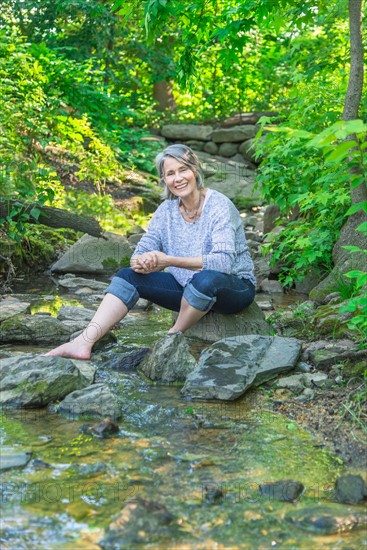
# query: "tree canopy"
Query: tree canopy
{"points": [[85, 80]]}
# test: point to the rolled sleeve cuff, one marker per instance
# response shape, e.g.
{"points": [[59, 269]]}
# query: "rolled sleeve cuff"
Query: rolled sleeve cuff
{"points": [[123, 290], [198, 300]]}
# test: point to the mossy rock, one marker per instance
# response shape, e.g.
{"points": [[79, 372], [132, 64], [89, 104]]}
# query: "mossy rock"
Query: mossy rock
{"points": [[328, 321], [357, 369], [33, 329]]}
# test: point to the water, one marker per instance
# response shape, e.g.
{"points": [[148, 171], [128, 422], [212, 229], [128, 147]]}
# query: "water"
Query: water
{"points": [[177, 453]]}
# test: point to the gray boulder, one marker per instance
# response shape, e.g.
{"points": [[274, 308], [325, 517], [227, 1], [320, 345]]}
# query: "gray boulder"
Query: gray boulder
{"points": [[298, 382], [187, 131], [34, 329], [247, 150], [96, 400], [294, 382], [211, 148], [169, 361], [228, 149], [195, 144], [350, 489], [215, 326], [231, 366], [34, 381], [125, 361], [235, 134], [13, 458], [285, 490], [271, 286], [81, 315], [10, 306], [93, 255], [81, 285], [228, 176]]}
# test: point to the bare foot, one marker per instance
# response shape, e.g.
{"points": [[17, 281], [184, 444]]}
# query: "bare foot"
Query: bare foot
{"points": [[74, 350]]}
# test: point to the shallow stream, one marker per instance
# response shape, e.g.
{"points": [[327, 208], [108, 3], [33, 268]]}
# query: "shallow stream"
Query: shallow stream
{"points": [[203, 462]]}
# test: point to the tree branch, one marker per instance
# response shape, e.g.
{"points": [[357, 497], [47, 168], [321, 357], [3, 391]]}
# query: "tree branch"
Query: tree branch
{"points": [[52, 217]]}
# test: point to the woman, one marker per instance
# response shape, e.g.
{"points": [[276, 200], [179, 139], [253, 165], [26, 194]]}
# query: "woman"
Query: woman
{"points": [[197, 234]]}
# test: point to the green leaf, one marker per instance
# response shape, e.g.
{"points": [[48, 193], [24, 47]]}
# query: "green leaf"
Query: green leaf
{"points": [[35, 213], [358, 180], [362, 227], [356, 207], [352, 248], [341, 151], [354, 274]]}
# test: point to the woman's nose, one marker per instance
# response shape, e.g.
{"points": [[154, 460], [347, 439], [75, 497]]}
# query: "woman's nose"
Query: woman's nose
{"points": [[178, 176]]}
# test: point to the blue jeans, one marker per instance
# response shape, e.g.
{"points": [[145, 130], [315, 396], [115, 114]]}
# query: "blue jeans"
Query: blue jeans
{"points": [[207, 290]]}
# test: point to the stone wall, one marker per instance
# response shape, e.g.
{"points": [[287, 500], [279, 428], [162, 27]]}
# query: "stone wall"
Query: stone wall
{"points": [[232, 139]]}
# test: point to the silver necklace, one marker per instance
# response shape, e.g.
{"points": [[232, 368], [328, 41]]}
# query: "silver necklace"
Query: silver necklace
{"points": [[196, 210]]}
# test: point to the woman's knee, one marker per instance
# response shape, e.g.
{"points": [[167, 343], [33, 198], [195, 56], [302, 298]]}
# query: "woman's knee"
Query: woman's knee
{"points": [[207, 281]]}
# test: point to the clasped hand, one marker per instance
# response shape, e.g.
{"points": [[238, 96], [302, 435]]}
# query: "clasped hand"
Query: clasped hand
{"points": [[149, 262]]}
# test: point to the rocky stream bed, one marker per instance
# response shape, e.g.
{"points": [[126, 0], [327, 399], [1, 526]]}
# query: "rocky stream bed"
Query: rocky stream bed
{"points": [[165, 470]]}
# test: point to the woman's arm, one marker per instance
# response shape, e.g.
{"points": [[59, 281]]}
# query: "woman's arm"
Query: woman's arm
{"points": [[152, 239], [156, 261], [195, 263]]}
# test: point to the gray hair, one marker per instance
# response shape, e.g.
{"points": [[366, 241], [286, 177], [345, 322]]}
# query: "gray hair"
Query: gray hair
{"points": [[185, 155]]}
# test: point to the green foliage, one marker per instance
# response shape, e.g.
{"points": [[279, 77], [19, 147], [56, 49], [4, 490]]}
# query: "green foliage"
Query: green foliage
{"points": [[352, 154], [298, 178], [111, 263], [103, 209], [315, 173], [358, 303], [248, 55], [39, 129]]}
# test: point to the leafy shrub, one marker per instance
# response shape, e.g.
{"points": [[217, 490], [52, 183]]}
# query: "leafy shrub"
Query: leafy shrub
{"points": [[296, 176]]}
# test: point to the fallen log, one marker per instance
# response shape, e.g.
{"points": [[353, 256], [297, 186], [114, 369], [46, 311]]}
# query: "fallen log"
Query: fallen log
{"points": [[50, 216]]}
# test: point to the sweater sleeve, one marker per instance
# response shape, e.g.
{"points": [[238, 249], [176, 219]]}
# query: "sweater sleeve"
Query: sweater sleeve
{"points": [[152, 239], [222, 251]]}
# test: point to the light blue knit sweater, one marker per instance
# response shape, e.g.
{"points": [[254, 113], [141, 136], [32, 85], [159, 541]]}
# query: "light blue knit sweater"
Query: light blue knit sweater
{"points": [[218, 236]]}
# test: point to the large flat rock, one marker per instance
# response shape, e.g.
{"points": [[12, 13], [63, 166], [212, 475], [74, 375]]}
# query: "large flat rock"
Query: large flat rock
{"points": [[93, 255], [10, 306], [187, 131], [234, 135], [72, 313], [231, 366]]}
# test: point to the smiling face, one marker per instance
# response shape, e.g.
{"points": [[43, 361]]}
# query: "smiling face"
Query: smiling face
{"points": [[179, 178]]}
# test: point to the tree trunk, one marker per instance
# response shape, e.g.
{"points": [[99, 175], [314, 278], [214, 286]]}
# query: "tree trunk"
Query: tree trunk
{"points": [[345, 261], [355, 84], [162, 93], [52, 217]]}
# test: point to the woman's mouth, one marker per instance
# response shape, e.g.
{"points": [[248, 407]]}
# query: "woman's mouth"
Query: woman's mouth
{"points": [[181, 186]]}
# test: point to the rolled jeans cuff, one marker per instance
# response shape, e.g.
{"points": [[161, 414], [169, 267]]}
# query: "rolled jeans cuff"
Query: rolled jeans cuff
{"points": [[123, 290], [198, 300]]}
